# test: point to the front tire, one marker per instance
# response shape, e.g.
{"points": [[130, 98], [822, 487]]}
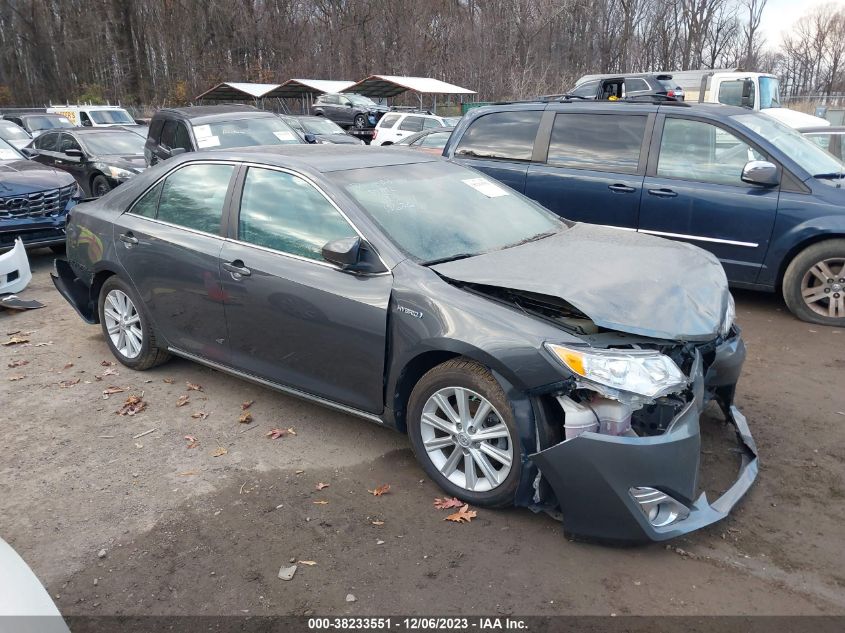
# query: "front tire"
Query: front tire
{"points": [[463, 433], [100, 186], [126, 326], [814, 284]]}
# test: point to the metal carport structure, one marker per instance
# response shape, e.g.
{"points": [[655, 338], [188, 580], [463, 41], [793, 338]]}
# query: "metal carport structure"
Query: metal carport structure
{"points": [[305, 89], [236, 91], [385, 86]]}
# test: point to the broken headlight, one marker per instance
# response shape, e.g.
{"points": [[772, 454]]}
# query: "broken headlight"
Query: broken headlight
{"points": [[644, 372], [730, 316]]}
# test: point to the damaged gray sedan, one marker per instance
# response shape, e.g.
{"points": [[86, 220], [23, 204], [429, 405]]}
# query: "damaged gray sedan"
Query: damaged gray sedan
{"points": [[531, 361]]}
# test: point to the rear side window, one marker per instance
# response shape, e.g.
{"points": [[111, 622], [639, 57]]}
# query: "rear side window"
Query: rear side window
{"points": [[388, 120], [193, 197], [602, 142], [430, 123], [635, 84], [412, 124], [503, 135], [147, 205]]}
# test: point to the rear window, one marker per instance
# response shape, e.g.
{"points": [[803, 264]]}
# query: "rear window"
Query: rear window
{"points": [[503, 135], [601, 142], [388, 120]]}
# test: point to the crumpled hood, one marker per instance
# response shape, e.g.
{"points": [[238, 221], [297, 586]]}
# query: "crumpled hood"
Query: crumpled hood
{"points": [[25, 176], [622, 280]]}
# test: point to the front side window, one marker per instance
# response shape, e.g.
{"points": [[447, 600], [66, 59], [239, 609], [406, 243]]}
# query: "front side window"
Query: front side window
{"points": [[193, 197], [602, 142], [48, 142], [586, 89], [181, 139], [435, 139], [695, 150], [147, 205], [730, 93], [286, 213], [68, 142], [412, 124], [503, 135]]}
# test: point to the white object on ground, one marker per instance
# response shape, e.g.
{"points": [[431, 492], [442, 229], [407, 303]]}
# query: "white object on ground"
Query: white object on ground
{"points": [[14, 261], [21, 594]]}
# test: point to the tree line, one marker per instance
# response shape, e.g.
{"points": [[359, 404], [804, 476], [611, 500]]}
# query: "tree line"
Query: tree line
{"points": [[167, 51]]}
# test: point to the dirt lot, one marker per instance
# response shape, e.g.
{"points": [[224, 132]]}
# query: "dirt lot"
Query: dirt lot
{"points": [[187, 532]]}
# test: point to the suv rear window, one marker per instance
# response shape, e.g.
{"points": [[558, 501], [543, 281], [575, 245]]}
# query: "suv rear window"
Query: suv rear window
{"points": [[602, 142], [505, 135], [388, 120]]}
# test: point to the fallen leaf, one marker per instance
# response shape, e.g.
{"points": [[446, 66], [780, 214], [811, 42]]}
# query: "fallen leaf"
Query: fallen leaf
{"points": [[464, 515], [67, 366], [192, 441], [17, 377], [246, 405], [132, 405], [275, 434], [193, 387], [183, 400], [377, 522], [107, 363], [169, 381], [245, 418], [64, 384], [219, 452], [188, 473], [298, 472], [113, 390], [109, 372], [310, 563], [320, 503], [199, 415], [15, 340], [44, 344], [17, 363], [321, 486], [447, 502], [383, 489]]}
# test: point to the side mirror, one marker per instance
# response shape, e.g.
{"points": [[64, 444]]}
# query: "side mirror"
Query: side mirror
{"points": [[28, 152], [177, 150], [74, 153], [310, 138], [760, 172], [348, 104], [343, 252], [87, 123]]}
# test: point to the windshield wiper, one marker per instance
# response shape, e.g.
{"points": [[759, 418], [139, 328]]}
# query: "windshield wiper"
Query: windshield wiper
{"points": [[450, 258], [831, 175], [533, 238]]}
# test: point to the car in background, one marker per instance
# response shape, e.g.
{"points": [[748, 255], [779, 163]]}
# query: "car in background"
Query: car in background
{"points": [[35, 124], [622, 86], [394, 126], [349, 110], [34, 201], [431, 141], [765, 200], [319, 129], [175, 131], [99, 159], [829, 138], [94, 115], [420, 295], [14, 134]]}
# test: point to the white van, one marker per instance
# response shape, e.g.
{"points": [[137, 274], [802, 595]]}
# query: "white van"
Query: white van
{"points": [[94, 115]]}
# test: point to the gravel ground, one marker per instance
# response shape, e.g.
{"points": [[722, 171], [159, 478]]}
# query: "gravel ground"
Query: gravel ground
{"points": [[191, 531]]}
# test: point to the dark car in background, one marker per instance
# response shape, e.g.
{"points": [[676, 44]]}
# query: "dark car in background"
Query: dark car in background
{"points": [[761, 197], [99, 158], [36, 124], [319, 129], [626, 86], [34, 201], [14, 134], [349, 110], [175, 131], [431, 141], [421, 295]]}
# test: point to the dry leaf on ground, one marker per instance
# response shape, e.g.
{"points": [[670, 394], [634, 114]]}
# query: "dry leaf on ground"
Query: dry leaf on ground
{"points": [[17, 363], [107, 363], [16, 377], [310, 563], [383, 489], [275, 434], [199, 415], [169, 381], [192, 441], [320, 502], [132, 405], [447, 502], [246, 405], [219, 452], [245, 417], [377, 522], [182, 400], [108, 391], [15, 340], [464, 515], [193, 387], [64, 384], [67, 366], [321, 486], [109, 372]]}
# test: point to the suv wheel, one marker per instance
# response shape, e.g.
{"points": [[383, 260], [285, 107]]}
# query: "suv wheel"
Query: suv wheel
{"points": [[127, 328], [463, 433], [814, 283], [100, 186], [360, 121]]}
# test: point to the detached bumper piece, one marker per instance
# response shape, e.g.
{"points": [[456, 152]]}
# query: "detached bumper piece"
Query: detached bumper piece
{"points": [[74, 292], [15, 273], [641, 489]]}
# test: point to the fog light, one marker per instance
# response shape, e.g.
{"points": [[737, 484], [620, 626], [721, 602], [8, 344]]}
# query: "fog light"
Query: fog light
{"points": [[660, 509]]}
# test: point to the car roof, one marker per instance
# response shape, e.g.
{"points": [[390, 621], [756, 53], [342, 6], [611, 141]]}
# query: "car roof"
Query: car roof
{"points": [[211, 114], [709, 110], [89, 131], [32, 114], [315, 158]]}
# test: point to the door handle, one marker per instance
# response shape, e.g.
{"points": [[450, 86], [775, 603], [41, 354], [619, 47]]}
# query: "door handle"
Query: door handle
{"points": [[237, 269], [128, 239], [619, 188], [662, 193]]}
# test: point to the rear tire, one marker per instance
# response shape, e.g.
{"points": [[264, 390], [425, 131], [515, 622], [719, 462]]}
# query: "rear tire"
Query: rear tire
{"points": [[814, 283], [127, 327], [360, 121]]}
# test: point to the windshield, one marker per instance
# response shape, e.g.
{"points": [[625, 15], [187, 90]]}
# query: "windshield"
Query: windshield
{"points": [[47, 122], [437, 210], [12, 131], [808, 155], [322, 126], [126, 143], [7, 152], [361, 101], [769, 96], [110, 116], [245, 133]]}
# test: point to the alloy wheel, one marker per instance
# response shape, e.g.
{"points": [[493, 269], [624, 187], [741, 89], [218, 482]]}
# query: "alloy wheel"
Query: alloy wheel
{"points": [[823, 287], [466, 439], [123, 323]]}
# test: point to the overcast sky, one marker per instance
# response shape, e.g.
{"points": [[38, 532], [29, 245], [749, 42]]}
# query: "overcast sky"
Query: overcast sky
{"points": [[780, 15]]}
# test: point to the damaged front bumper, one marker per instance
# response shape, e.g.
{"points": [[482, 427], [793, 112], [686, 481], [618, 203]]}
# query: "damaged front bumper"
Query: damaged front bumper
{"points": [[608, 487]]}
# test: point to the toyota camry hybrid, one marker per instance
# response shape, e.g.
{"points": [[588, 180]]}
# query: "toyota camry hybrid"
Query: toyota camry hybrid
{"points": [[531, 361]]}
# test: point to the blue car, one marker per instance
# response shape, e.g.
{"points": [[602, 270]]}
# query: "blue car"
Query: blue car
{"points": [[765, 200]]}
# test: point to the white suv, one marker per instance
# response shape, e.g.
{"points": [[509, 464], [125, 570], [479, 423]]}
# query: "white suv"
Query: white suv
{"points": [[394, 126]]}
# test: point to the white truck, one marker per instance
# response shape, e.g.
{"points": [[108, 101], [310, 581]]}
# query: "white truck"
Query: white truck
{"points": [[94, 115], [732, 86]]}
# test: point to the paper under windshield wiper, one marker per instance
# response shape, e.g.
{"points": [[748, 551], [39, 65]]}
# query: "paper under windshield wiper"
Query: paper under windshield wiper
{"points": [[449, 258]]}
